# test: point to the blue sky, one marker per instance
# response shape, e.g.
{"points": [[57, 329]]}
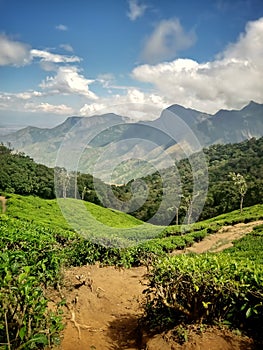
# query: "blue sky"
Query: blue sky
{"points": [[133, 57]]}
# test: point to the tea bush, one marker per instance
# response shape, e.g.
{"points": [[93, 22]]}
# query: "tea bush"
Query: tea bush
{"points": [[30, 259], [205, 288]]}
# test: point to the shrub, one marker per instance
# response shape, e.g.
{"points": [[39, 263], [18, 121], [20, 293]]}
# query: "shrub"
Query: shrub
{"points": [[205, 288]]}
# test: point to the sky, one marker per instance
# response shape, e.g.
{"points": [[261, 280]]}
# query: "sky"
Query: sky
{"points": [[60, 58]]}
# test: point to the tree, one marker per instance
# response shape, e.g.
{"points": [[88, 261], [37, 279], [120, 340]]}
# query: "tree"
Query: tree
{"points": [[241, 185], [189, 200]]}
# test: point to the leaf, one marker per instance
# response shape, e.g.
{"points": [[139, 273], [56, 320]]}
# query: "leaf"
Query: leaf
{"points": [[21, 277], [196, 288], [205, 305], [27, 269], [249, 312], [22, 332], [37, 339]]}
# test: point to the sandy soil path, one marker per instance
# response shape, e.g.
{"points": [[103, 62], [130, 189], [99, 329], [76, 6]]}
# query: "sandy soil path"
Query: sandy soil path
{"points": [[103, 312], [222, 239]]}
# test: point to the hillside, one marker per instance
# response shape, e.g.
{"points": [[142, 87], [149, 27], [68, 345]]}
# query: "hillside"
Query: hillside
{"points": [[155, 197], [114, 310], [48, 213], [86, 139], [222, 195], [103, 305]]}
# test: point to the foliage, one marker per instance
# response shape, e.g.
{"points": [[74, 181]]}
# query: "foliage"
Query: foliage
{"points": [[249, 247], [21, 175], [223, 196], [208, 288], [30, 258], [240, 183], [48, 212], [36, 243]]}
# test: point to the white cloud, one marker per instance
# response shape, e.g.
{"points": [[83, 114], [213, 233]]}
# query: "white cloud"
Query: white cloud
{"points": [[49, 108], [67, 47], [46, 56], [92, 109], [167, 39], [27, 95], [13, 52], [68, 80], [106, 80], [28, 101], [62, 27], [15, 98], [135, 104], [16, 53], [136, 9], [230, 81]]}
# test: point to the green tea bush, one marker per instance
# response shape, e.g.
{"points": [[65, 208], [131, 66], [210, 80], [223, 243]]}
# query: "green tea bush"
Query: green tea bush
{"points": [[30, 259], [25, 321], [205, 288]]}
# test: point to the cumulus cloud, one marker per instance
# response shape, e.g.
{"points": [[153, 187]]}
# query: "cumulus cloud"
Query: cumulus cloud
{"points": [[61, 109], [231, 80], [68, 80], [134, 104], [13, 53], [167, 39], [136, 9], [15, 98], [27, 95], [61, 27], [30, 101], [46, 56]]}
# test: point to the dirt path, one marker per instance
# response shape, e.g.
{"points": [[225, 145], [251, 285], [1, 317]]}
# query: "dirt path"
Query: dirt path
{"points": [[104, 306], [3, 201], [222, 239], [107, 308]]}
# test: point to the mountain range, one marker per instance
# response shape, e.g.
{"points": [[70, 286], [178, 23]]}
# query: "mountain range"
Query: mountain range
{"points": [[110, 143]]}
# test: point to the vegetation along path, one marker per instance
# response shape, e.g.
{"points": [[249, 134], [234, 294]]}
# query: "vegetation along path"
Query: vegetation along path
{"points": [[103, 306], [222, 239]]}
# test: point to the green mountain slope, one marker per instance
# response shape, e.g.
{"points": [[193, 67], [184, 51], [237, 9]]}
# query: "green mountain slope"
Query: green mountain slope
{"points": [[48, 212], [175, 126]]}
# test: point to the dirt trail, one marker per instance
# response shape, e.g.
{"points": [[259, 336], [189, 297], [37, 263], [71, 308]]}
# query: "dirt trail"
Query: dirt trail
{"points": [[3, 201], [104, 306], [222, 239]]}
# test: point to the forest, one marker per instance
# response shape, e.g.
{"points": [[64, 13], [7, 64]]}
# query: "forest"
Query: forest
{"points": [[21, 175]]}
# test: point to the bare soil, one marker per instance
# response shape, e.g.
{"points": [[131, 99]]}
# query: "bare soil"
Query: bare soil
{"points": [[3, 201], [222, 239], [104, 306]]}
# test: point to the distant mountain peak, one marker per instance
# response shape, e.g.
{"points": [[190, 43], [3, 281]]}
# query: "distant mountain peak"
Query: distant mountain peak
{"points": [[180, 108], [72, 120], [188, 115], [251, 105]]}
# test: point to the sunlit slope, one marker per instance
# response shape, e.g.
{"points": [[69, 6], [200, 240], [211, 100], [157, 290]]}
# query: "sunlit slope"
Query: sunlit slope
{"points": [[91, 221], [48, 212]]}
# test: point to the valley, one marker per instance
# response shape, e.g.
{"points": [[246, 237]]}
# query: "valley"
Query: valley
{"points": [[131, 175], [167, 256]]}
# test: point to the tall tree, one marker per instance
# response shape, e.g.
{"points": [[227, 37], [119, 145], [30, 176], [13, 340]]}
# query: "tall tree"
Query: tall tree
{"points": [[241, 185]]}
